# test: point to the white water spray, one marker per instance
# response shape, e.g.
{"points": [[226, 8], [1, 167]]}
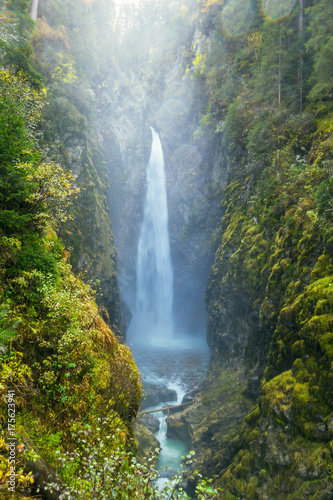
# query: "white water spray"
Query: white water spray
{"points": [[154, 268]]}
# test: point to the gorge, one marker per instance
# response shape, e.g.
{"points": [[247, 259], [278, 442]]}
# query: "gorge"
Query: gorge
{"points": [[223, 259]]}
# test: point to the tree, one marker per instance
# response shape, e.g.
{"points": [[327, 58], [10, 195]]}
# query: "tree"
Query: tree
{"points": [[20, 113], [320, 48], [32, 191], [34, 10]]}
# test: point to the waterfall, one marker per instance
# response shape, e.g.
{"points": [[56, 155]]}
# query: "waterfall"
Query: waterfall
{"points": [[154, 269]]}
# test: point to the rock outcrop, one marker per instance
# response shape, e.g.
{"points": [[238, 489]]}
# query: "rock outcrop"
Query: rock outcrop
{"points": [[156, 394], [147, 442]]}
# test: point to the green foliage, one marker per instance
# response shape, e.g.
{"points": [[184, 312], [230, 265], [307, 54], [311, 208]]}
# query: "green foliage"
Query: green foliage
{"points": [[256, 76], [20, 113], [320, 47], [206, 121], [23, 480], [324, 196], [16, 27], [65, 72], [22, 59], [34, 257], [93, 471], [32, 192], [199, 63], [8, 325], [70, 363], [52, 189]]}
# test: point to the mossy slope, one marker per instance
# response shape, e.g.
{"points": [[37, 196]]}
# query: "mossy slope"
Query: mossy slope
{"points": [[62, 39], [74, 387], [68, 372], [269, 299]]}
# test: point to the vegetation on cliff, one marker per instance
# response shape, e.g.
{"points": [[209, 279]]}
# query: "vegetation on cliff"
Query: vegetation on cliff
{"points": [[64, 377], [269, 296], [73, 46], [263, 83]]}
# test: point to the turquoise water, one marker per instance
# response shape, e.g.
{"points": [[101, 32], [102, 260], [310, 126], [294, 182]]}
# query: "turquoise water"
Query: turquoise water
{"points": [[179, 369], [171, 449]]}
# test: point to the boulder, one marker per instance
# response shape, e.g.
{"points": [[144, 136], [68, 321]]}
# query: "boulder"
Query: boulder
{"points": [[177, 427], [146, 440], [42, 471], [156, 394], [151, 422]]}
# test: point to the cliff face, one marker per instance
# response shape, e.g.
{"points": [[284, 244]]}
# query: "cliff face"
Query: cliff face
{"points": [[72, 127], [269, 317], [196, 176], [195, 170], [263, 422], [126, 141]]}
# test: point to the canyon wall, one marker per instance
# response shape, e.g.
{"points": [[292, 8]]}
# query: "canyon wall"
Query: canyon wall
{"points": [[195, 175]]}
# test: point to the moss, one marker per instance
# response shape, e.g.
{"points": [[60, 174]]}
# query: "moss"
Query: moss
{"points": [[241, 471], [228, 496], [225, 387], [251, 488], [301, 397], [326, 343], [253, 436], [252, 417], [276, 393], [323, 268], [240, 487], [263, 475]]}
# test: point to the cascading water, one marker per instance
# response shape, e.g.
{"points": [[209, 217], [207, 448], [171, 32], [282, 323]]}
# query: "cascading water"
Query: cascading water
{"points": [[156, 352], [154, 268]]}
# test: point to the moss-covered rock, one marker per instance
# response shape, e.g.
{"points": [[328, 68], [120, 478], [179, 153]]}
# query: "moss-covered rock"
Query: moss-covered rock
{"points": [[71, 126], [269, 300], [147, 442]]}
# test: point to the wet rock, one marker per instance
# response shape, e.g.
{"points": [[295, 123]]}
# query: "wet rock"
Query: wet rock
{"points": [[146, 440], [156, 394], [151, 422], [178, 428], [319, 432], [189, 396]]}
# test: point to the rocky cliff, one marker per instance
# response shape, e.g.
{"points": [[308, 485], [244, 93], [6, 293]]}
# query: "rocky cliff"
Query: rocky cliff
{"points": [[262, 425], [160, 95], [72, 127]]}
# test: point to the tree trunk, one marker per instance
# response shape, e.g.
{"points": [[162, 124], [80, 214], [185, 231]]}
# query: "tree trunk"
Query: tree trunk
{"points": [[279, 75], [34, 9], [301, 62]]}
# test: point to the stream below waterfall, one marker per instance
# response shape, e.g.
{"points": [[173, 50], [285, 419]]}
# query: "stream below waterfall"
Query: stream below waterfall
{"points": [[169, 362], [180, 369]]}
